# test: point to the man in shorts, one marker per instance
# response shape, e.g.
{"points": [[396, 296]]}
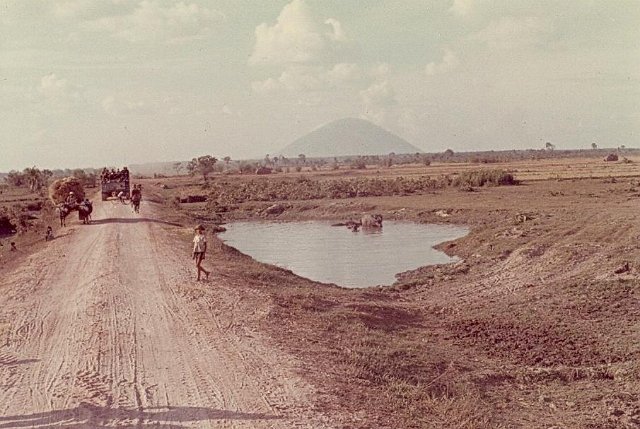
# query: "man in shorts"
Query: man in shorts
{"points": [[199, 250]]}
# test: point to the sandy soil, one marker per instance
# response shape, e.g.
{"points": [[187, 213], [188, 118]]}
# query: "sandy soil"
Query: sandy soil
{"points": [[97, 332]]}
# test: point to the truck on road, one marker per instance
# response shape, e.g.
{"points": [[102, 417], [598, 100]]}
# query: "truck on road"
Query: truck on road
{"points": [[114, 182]]}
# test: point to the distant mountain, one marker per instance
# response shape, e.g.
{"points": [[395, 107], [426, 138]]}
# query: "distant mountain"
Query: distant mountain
{"points": [[348, 137]]}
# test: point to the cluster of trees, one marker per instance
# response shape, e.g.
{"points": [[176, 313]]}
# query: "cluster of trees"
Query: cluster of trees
{"points": [[203, 165], [207, 164], [30, 177], [36, 179]]}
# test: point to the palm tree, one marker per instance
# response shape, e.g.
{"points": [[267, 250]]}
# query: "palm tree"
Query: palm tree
{"points": [[33, 177]]}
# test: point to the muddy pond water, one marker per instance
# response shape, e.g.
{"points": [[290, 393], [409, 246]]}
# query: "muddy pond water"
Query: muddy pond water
{"points": [[329, 254]]}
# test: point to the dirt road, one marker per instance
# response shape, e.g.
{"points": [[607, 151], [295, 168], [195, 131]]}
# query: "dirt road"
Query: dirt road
{"points": [[96, 333]]}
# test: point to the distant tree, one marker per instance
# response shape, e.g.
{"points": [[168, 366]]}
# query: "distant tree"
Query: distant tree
{"points": [[247, 167], [46, 175], [178, 167], [87, 177], [33, 178], [594, 146], [202, 165], [227, 159], [15, 178], [359, 163], [302, 157], [448, 153], [92, 180], [80, 174], [267, 160], [549, 146]]}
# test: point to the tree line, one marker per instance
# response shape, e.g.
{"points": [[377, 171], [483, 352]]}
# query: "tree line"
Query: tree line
{"points": [[36, 179]]}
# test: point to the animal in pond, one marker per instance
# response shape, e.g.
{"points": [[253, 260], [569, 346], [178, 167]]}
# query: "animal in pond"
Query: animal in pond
{"points": [[371, 221], [84, 211], [353, 225], [368, 221]]}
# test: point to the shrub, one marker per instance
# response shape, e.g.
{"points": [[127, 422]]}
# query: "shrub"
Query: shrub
{"points": [[358, 164], [484, 177]]}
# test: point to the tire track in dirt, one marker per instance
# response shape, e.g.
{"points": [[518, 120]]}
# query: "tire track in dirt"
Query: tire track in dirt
{"points": [[101, 335]]}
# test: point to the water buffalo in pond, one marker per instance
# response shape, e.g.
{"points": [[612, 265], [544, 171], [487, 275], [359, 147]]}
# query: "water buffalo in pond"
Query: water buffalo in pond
{"points": [[368, 221], [371, 221]]}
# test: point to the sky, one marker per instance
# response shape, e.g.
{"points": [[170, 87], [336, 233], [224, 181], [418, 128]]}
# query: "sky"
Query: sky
{"points": [[87, 83]]}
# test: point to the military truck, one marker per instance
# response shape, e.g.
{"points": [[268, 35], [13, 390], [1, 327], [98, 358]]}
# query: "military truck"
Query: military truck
{"points": [[114, 182]]}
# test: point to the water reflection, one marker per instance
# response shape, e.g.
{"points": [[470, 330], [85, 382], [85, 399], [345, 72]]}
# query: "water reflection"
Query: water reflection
{"points": [[320, 252]]}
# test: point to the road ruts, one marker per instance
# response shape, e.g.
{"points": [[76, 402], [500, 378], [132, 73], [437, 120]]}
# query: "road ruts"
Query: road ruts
{"points": [[98, 335]]}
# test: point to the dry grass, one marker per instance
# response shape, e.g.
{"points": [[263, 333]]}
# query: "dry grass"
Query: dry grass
{"points": [[536, 309], [226, 192], [59, 189]]}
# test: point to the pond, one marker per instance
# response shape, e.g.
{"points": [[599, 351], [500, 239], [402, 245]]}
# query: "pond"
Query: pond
{"points": [[329, 254]]}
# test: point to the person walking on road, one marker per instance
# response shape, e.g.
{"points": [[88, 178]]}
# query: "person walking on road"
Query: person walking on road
{"points": [[199, 250]]}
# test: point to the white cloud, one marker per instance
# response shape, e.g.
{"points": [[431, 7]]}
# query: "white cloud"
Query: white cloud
{"points": [[377, 100], [58, 95], [449, 62], [300, 79], [120, 106], [337, 34], [265, 86], [296, 37], [510, 32], [303, 78], [228, 111], [463, 7], [151, 21], [380, 71], [379, 94], [343, 72], [53, 86]]}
